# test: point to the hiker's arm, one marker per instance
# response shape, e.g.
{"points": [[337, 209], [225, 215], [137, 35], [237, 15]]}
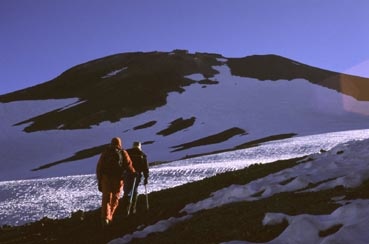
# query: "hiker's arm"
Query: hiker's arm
{"points": [[145, 167], [129, 163]]}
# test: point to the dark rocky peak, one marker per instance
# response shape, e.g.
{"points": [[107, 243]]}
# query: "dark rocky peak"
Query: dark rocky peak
{"points": [[155, 69]]}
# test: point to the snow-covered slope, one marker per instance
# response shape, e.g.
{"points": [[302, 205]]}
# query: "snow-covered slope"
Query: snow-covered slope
{"points": [[24, 201], [256, 108]]}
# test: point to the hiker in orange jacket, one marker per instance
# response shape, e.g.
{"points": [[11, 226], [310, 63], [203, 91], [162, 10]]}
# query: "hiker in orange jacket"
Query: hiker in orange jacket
{"points": [[113, 162]]}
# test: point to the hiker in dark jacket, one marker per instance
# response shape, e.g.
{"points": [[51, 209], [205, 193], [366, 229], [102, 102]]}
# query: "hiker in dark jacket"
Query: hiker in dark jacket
{"points": [[112, 163], [140, 164]]}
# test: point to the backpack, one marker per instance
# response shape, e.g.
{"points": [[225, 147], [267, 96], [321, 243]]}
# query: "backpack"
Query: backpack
{"points": [[113, 164], [138, 159]]}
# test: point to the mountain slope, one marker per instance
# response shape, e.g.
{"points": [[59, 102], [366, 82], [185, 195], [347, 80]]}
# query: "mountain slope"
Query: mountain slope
{"points": [[128, 84], [177, 104]]}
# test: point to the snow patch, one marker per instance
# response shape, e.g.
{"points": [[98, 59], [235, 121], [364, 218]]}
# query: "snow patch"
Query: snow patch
{"points": [[351, 219], [195, 77], [222, 60], [113, 73], [71, 105]]}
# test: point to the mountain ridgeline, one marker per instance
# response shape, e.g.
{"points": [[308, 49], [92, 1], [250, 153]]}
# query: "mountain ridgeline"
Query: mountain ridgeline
{"points": [[128, 84]]}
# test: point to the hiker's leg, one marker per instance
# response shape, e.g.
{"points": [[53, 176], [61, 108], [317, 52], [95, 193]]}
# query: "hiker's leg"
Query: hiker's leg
{"points": [[127, 184], [135, 192], [106, 198], [114, 201]]}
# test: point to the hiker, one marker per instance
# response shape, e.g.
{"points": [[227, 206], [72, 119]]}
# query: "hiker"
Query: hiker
{"points": [[113, 161], [140, 164]]}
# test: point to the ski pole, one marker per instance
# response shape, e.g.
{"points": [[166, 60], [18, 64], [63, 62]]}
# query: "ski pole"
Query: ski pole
{"points": [[135, 204], [147, 198], [132, 193]]}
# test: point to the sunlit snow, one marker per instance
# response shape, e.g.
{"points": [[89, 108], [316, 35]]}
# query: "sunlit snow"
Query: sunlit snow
{"points": [[58, 197], [113, 73]]}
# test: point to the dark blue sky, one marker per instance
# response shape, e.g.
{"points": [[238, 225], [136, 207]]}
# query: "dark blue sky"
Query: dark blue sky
{"points": [[42, 38]]}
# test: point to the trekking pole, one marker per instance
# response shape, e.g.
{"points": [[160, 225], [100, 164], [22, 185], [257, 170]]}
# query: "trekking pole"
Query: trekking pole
{"points": [[135, 204], [147, 198], [131, 199]]}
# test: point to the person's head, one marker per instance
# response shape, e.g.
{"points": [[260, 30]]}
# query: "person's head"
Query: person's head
{"points": [[116, 142], [137, 144]]}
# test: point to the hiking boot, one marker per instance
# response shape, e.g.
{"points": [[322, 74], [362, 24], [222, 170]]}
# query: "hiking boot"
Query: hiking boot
{"points": [[105, 223]]}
